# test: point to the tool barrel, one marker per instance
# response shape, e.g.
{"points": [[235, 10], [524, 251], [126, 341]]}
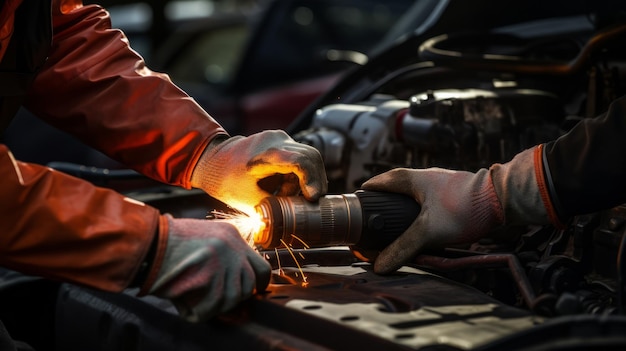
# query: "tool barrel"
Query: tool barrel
{"points": [[295, 222]]}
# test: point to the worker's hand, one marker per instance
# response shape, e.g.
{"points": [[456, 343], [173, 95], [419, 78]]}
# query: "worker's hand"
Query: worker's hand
{"points": [[456, 207], [230, 170], [207, 268], [460, 207]]}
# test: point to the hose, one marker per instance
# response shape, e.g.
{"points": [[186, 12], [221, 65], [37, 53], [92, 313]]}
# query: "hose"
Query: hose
{"points": [[484, 261], [431, 51]]}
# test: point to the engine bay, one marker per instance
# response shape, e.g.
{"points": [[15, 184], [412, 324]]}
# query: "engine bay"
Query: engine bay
{"points": [[475, 99]]}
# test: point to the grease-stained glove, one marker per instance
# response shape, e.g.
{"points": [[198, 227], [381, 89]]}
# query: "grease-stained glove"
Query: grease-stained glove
{"points": [[231, 169], [461, 207], [207, 268]]}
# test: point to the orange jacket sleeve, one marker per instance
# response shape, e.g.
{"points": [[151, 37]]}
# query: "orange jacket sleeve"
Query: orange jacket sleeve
{"points": [[97, 88], [60, 227]]}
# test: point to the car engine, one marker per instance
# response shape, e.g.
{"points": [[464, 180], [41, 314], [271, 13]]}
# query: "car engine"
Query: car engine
{"points": [[473, 99]]}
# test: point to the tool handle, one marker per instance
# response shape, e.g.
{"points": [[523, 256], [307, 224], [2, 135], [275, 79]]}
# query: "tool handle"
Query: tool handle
{"points": [[385, 217]]}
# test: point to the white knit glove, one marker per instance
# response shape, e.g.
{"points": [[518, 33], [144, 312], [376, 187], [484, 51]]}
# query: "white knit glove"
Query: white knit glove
{"points": [[230, 170], [460, 207]]}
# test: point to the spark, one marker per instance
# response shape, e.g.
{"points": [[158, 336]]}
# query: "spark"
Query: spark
{"points": [[304, 277], [247, 225], [280, 268], [306, 246]]}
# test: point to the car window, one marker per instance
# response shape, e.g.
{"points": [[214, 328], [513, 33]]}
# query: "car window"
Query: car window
{"points": [[212, 57], [294, 39]]}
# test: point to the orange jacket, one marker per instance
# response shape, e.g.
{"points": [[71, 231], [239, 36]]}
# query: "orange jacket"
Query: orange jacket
{"points": [[98, 89]]}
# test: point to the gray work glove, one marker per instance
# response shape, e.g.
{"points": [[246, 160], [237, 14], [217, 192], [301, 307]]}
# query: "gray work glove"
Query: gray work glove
{"points": [[461, 207], [231, 169], [207, 268]]}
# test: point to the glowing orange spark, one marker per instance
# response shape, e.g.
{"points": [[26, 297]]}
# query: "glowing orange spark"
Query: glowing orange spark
{"points": [[280, 269], [306, 246], [304, 277], [248, 225]]}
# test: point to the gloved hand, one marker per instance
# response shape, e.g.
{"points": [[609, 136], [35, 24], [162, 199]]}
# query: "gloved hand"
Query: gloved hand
{"points": [[461, 207], [207, 268], [230, 169]]}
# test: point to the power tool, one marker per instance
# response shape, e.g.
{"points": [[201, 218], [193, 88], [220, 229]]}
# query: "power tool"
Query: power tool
{"points": [[365, 220]]}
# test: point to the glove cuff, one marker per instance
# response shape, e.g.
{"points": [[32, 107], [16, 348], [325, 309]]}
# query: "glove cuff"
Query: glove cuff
{"points": [[159, 245], [208, 172], [544, 189], [521, 187]]}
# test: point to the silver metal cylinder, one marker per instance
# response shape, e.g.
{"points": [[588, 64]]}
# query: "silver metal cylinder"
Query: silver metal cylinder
{"points": [[296, 222]]}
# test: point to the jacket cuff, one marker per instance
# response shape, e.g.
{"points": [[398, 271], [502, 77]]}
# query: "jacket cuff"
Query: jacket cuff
{"points": [[160, 245], [544, 190]]}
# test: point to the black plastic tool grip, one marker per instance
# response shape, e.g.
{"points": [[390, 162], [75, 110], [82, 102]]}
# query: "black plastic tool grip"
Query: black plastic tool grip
{"points": [[385, 217]]}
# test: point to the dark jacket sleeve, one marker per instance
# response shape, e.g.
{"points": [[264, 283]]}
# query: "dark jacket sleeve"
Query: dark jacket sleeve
{"points": [[586, 168]]}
